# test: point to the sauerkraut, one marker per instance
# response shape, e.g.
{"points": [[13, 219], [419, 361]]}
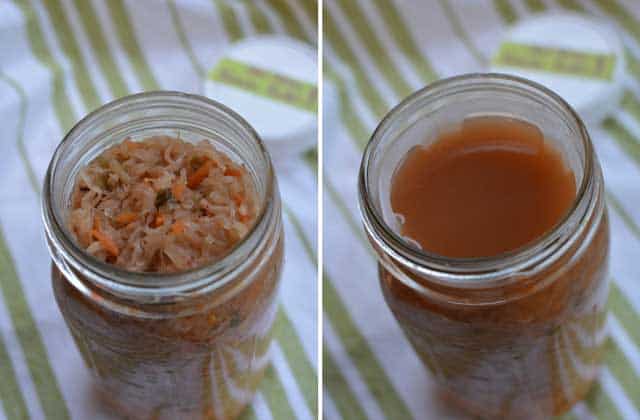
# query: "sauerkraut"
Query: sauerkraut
{"points": [[162, 204]]}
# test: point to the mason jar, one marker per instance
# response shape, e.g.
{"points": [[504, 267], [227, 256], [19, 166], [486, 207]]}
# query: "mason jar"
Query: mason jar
{"points": [[516, 335], [191, 344]]}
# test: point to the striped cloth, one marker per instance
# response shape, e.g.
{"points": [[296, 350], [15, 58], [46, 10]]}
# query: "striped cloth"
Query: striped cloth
{"points": [[377, 52], [60, 59]]}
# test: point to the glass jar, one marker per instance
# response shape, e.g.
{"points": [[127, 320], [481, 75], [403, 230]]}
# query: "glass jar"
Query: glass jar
{"points": [[517, 335], [191, 344]]}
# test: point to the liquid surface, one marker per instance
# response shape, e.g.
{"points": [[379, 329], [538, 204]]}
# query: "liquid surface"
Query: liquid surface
{"points": [[488, 187]]}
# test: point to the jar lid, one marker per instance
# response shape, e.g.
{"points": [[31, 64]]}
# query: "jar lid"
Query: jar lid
{"points": [[271, 81], [579, 58]]}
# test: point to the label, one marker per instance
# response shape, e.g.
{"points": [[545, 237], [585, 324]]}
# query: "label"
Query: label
{"points": [[556, 60], [265, 83]]}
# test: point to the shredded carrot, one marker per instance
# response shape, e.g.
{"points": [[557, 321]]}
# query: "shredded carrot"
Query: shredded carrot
{"points": [[107, 243], [237, 198], [178, 227], [177, 190], [158, 221], [196, 178], [232, 172], [244, 218], [126, 218]]}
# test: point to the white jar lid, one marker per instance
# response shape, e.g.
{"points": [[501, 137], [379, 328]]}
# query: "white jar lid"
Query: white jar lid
{"points": [[271, 81], [580, 58]]}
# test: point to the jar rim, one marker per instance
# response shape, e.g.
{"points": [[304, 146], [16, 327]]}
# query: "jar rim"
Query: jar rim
{"points": [[136, 284], [477, 272]]}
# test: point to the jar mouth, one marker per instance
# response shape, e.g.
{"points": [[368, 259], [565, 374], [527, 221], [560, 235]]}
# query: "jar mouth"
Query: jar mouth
{"points": [[132, 283], [473, 272]]}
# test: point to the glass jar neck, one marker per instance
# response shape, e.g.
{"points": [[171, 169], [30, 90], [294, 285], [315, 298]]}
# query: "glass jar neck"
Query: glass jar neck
{"points": [[191, 118], [443, 105]]}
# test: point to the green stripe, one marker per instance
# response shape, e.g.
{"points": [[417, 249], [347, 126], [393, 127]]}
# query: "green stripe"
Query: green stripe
{"points": [[566, 416], [311, 9], [350, 117], [184, 41], [505, 10], [288, 339], [70, 46], [129, 42], [597, 400], [345, 400], [626, 217], [22, 151], [625, 18], [289, 20], [364, 84], [311, 157], [12, 400], [620, 367], [462, 34], [297, 226], [633, 65], [361, 354], [101, 48], [624, 138], [355, 226], [572, 5], [404, 40], [625, 313], [631, 105], [258, 19], [275, 395], [536, 5], [65, 114], [359, 22], [229, 20], [601, 405], [42, 375], [249, 413], [300, 366]]}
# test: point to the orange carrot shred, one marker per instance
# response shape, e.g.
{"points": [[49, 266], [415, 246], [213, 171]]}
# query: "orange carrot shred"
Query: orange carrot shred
{"points": [[126, 218], [158, 221], [237, 198], [107, 243], [232, 172], [177, 190], [196, 178], [178, 227]]}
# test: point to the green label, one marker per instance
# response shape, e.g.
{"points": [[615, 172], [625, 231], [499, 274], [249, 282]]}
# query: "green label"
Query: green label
{"points": [[265, 83], [556, 60]]}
